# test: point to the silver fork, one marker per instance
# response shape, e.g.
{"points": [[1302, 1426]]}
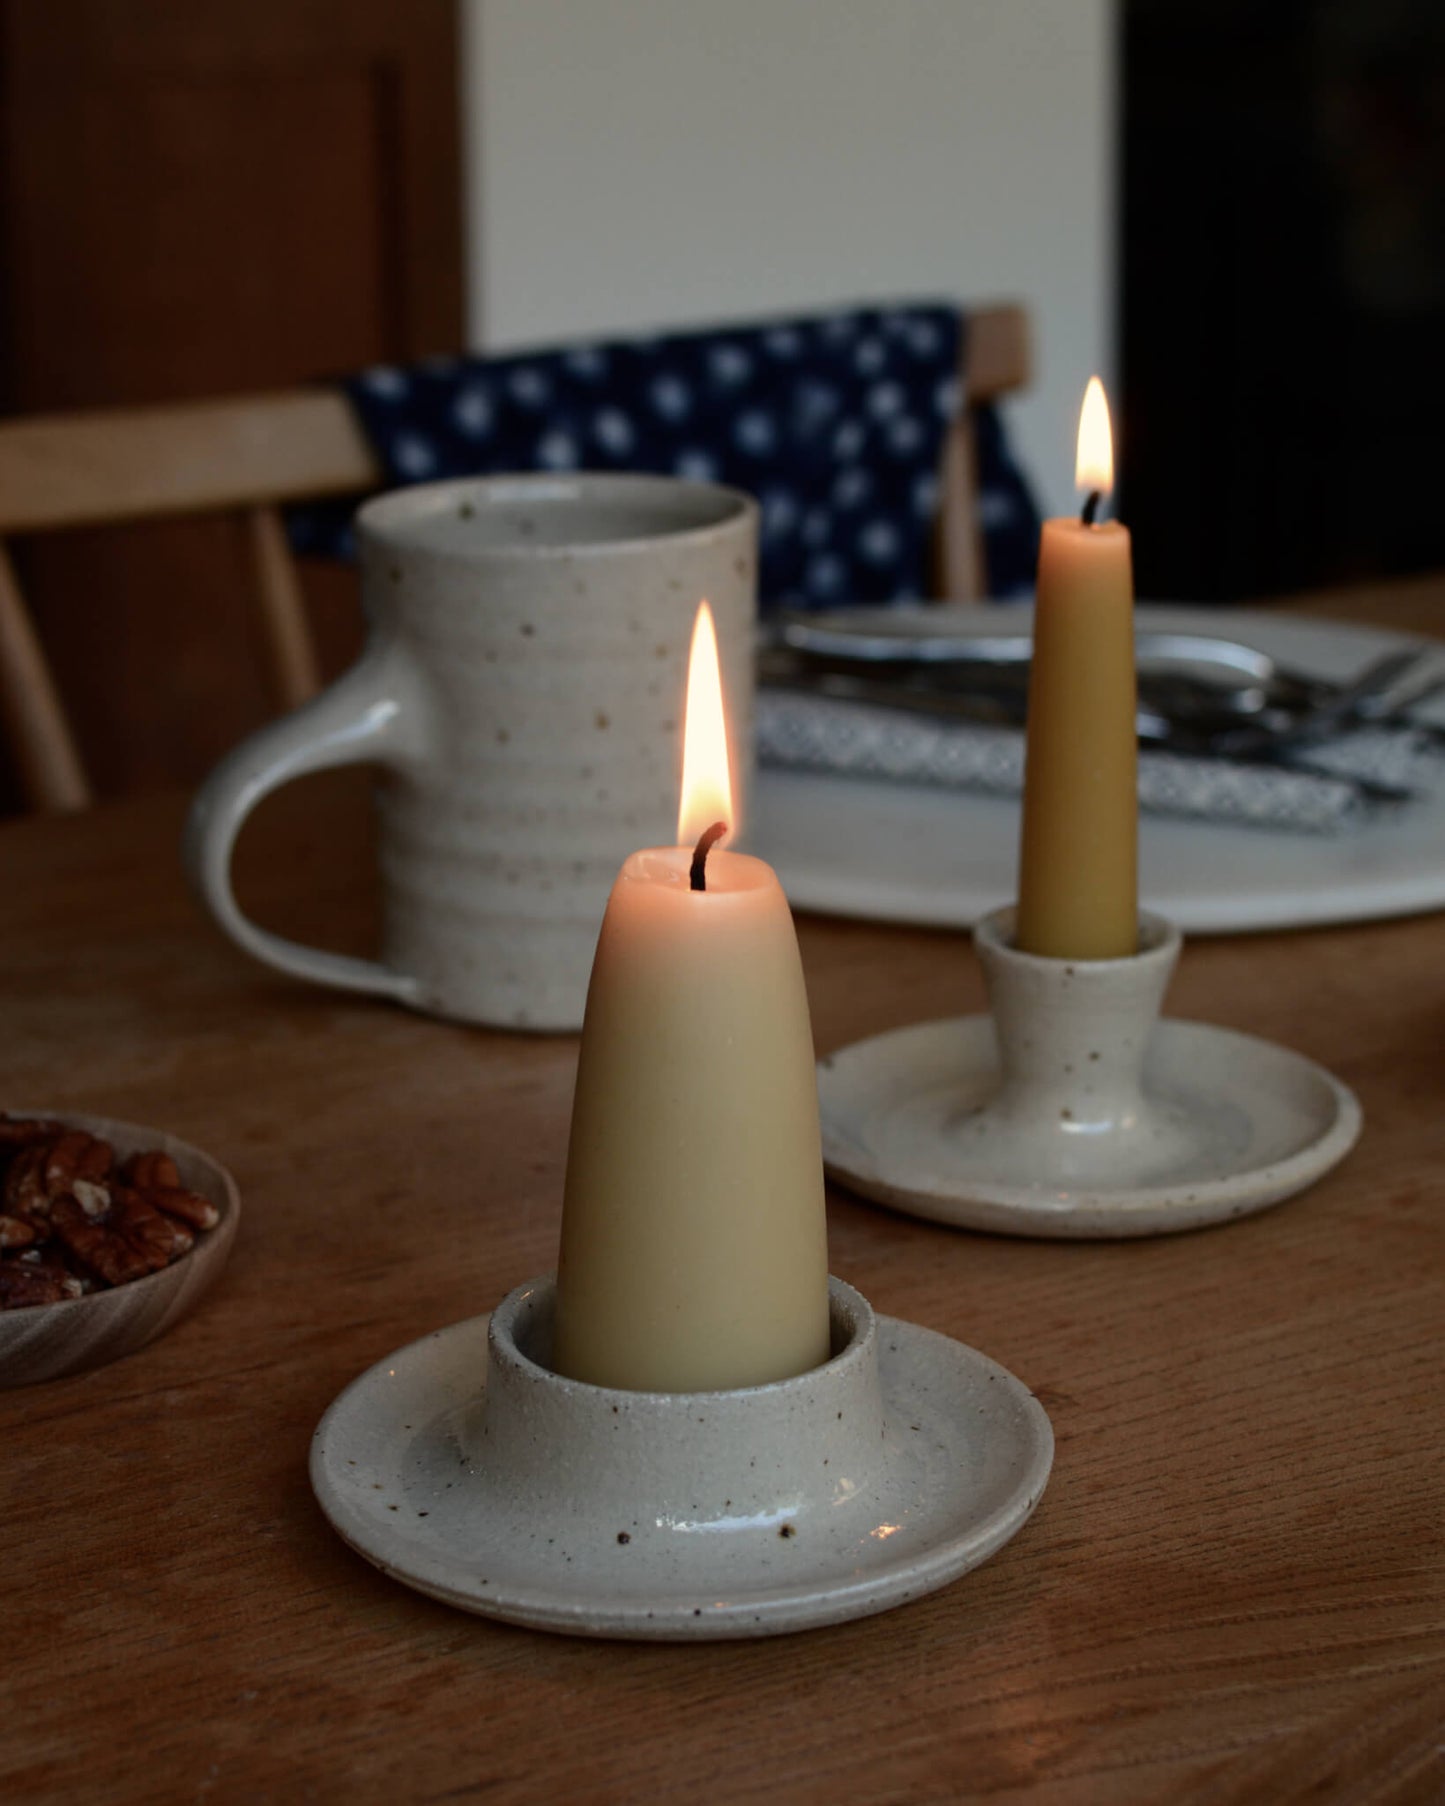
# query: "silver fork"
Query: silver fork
{"points": [[1349, 704]]}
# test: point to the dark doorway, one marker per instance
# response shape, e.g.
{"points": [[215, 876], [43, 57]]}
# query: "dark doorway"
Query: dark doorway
{"points": [[1284, 292]]}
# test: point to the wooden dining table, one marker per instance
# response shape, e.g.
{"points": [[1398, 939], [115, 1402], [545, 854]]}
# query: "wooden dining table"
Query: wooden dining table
{"points": [[1232, 1590]]}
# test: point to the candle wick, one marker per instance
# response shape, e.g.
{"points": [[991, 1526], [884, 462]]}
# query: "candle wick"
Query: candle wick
{"points": [[699, 857], [1091, 507]]}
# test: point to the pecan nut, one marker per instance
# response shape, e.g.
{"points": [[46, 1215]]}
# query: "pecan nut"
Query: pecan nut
{"points": [[96, 1245], [25, 1282], [156, 1177], [77, 1157], [25, 1193], [130, 1240], [144, 1171], [20, 1131], [52, 1168], [154, 1235]]}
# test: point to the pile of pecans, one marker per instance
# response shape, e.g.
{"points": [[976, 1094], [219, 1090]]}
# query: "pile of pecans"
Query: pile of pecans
{"points": [[72, 1221]]}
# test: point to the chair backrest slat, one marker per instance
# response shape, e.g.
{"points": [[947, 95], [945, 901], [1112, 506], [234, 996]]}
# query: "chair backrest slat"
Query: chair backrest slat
{"points": [[93, 469]]}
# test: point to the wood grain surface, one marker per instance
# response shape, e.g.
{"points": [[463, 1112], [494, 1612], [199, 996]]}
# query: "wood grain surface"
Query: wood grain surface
{"points": [[1232, 1591]]}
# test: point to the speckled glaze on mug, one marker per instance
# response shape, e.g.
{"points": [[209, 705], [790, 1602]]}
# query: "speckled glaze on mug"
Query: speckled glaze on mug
{"points": [[522, 689]]}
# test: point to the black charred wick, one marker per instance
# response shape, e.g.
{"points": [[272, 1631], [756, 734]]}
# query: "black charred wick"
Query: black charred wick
{"points": [[1091, 506], [700, 853]]}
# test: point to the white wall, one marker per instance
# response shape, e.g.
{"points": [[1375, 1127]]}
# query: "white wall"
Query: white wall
{"points": [[638, 163]]}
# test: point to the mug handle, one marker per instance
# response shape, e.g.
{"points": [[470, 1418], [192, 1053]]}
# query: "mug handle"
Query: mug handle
{"points": [[369, 713]]}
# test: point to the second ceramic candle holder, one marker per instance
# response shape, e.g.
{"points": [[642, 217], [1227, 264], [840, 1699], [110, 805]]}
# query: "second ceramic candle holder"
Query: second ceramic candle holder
{"points": [[1073, 1109], [466, 1468]]}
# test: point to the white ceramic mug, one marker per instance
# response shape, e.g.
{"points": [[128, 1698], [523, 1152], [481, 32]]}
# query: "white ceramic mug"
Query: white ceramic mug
{"points": [[522, 689]]}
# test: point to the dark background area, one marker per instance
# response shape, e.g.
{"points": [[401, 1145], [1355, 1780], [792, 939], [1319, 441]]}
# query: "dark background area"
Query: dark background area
{"points": [[1283, 286]]}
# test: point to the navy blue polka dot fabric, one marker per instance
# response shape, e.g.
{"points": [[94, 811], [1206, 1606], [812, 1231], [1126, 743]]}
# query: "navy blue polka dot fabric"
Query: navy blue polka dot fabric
{"points": [[834, 422]]}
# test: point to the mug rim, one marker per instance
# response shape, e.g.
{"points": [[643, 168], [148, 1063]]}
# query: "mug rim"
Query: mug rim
{"points": [[392, 518]]}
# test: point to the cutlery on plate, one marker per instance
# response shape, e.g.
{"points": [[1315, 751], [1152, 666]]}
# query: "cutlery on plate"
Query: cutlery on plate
{"points": [[1192, 690], [1183, 674], [1197, 735]]}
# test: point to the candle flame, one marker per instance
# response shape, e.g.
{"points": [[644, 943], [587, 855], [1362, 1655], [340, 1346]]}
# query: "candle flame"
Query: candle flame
{"points": [[1094, 466], [707, 794]]}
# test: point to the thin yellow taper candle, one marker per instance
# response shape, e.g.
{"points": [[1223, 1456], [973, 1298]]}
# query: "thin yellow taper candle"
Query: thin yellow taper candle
{"points": [[1078, 895], [694, 1246]]}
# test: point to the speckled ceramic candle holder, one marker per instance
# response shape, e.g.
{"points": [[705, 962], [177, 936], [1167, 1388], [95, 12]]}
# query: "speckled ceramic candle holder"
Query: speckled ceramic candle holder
{"points": [[1074, 1110], [464, 1467]]}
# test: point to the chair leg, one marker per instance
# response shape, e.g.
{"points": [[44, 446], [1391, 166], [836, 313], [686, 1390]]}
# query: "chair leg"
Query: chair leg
{"points": [[51, 773], [293, 673]]}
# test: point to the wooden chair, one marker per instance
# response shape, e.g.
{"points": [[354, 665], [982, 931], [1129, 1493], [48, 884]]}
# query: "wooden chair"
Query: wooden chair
{"points": [[94, 469], [252, 454]]}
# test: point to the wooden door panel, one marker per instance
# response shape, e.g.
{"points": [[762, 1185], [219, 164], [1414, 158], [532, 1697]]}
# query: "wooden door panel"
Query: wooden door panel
{"points": [[158, 176], [200, 200]]}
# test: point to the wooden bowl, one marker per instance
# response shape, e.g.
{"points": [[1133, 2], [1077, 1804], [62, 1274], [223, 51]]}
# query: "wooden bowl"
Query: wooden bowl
{"points": [[44, 1341]]}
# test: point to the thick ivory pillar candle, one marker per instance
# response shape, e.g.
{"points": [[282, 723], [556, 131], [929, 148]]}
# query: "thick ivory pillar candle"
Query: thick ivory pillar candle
{"points": [[694, 1246], [1078, 869], [694, 1253]]}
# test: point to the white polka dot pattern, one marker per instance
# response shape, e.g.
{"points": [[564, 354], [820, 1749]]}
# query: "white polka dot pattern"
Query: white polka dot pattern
{"points": [[835, 422]]}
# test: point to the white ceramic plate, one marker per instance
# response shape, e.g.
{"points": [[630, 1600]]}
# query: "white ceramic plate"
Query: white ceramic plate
{"points": [[904, 853]]}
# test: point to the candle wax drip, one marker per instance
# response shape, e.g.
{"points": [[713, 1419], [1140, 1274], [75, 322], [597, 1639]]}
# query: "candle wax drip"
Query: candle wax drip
{"points": [[699, 857], [1090, 510]]}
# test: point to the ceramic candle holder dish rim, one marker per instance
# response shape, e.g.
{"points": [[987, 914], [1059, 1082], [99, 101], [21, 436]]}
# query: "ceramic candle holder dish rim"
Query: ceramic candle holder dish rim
{"points": [[1159, 940], [191, 1273], [906, 1077], [850, 1316], [394, 516], [588, 1537]]}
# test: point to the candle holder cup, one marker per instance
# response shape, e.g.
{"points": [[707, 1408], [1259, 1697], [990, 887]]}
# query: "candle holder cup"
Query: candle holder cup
{"points": [[1070, 1106], [1073, 1109], [465, 1467]]}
